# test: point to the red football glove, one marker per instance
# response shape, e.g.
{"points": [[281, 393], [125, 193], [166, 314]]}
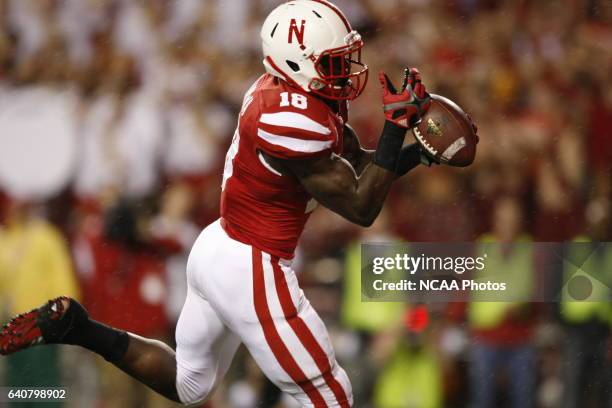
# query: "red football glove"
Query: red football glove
{"points": [[406, 107]]}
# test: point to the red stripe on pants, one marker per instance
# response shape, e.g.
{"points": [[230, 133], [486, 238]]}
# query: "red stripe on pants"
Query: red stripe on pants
{"points": [[273, 338], [305, 335]]}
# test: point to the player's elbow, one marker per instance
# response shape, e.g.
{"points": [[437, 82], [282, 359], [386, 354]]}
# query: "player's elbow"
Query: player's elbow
{"points": [[364, 217], [356, 216], [366, 222]]}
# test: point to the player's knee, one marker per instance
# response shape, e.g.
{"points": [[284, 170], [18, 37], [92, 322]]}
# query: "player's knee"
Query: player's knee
{"points": [[193, 387]]}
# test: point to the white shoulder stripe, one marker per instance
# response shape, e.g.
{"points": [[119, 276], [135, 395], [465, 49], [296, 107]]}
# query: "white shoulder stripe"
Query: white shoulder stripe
{"points": [[296, 145], [294, 120]]}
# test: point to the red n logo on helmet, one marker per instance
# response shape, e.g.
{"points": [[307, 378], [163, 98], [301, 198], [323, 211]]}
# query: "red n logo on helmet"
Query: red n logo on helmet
{"points": [[299, 33]]}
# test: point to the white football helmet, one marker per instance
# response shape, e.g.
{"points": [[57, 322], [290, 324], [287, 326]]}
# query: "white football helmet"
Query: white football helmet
{"points": [[310, 43]]}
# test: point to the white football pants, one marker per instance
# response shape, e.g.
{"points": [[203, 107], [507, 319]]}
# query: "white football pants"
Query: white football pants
{"points": [[239, 294]]}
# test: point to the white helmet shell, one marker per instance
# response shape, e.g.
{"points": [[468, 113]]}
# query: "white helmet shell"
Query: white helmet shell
{"points": [[297, 33]]}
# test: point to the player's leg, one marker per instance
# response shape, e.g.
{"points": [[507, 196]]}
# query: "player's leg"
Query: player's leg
{"points": [[260, 301], [205, 349], [204, 345], [65, 321], [288, 339]]}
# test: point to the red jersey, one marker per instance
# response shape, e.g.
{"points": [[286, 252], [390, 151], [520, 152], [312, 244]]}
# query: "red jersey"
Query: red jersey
{"points": [[260, 206]]}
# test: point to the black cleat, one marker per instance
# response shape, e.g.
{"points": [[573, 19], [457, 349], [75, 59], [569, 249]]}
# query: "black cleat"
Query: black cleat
{"points": [[39, 326]]}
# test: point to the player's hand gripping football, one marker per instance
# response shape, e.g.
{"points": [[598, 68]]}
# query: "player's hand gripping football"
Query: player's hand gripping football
{"points": [[405, 108]]}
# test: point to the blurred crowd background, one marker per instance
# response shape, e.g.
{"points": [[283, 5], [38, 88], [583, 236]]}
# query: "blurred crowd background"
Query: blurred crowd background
{"points": [[128, 107]]}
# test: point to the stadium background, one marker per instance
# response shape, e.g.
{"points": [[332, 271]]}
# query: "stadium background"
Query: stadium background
{"points": [[148, 92]]}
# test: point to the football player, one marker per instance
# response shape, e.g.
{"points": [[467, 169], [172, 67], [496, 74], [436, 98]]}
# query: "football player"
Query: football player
{"points": [[291, 150]]}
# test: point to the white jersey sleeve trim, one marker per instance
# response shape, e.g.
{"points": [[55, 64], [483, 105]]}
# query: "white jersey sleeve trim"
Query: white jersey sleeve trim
{"points": [[294, 120], [267, 165], [296, 145]]}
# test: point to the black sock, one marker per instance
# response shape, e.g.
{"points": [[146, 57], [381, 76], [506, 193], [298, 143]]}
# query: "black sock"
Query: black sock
{"points": [[76, 328], [101, 339]]}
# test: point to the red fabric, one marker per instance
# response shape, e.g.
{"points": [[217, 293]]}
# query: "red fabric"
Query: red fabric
{"points": [[168, 245], [444, 54], [552, 226], [306, 337], [4, 203], [273, 338], [115, 292], [416, 319], [259, 207], [509, 333], [600, 138], [512, 331]]}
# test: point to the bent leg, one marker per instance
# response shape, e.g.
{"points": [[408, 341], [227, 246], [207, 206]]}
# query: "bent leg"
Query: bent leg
{"points": [[288, 339], [151, 362], [205, 349], [205, 346], [65, 321]]}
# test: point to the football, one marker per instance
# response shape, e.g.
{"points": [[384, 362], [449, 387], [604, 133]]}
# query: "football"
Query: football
{"points": [[446, 133]]}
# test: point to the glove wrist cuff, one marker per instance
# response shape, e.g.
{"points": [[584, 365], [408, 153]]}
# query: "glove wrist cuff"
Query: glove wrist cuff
{"points": [[409, 158], [389, 146]]}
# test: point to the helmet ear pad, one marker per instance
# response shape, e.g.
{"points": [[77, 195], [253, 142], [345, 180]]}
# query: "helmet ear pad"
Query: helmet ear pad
{"points": [[295, 67]]}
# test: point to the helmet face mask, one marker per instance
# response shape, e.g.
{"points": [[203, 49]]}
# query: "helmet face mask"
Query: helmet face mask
{"points": [[342, 74], [310, 44]]}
